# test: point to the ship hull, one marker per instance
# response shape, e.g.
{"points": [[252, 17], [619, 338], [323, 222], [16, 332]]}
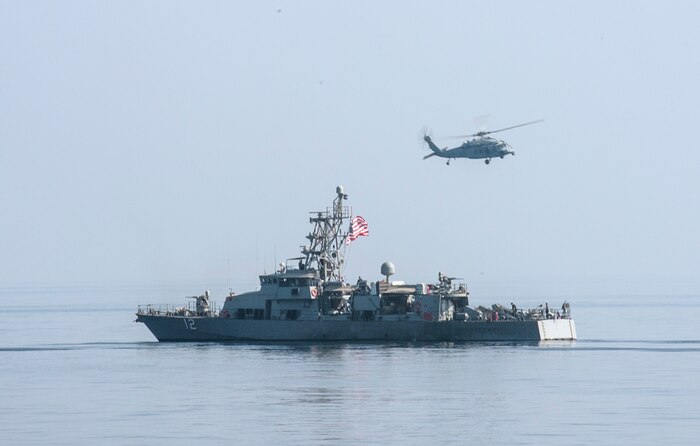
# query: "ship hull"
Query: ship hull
{"points": [[212, 329]]}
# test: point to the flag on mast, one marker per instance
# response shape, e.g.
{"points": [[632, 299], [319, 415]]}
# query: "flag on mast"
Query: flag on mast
{"points": [[358, 228]]}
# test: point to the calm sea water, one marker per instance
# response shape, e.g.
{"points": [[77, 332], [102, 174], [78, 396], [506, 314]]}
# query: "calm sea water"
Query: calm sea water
{"points": [[75, 369]]}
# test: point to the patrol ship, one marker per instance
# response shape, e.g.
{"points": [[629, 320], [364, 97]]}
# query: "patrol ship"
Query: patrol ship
{"points": [[307, 299]]}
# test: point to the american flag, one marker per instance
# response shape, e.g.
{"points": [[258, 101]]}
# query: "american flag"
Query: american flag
{"points": [[358, 229]]}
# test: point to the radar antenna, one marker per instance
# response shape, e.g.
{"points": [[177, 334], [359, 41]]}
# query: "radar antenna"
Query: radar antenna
{"points": [[326, 249]]}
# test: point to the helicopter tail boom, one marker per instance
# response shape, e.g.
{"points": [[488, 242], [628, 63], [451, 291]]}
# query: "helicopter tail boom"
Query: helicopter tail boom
{"points": [[436, 150]]}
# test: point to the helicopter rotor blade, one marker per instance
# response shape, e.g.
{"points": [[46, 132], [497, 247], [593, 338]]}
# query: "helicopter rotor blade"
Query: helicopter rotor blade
{"points": [[513, 127], [481, 121], [483, 133], [480, 133], [461, 136]]}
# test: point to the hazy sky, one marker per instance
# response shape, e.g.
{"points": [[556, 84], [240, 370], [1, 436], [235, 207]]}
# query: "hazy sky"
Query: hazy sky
{"points": [[154, 141]]}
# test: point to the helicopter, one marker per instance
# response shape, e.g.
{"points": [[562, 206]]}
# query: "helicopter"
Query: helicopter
{"points": [[481, 147]]}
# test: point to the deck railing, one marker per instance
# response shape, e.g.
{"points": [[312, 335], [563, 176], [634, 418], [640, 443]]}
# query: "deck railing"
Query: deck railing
{"points": [[188, 309]]}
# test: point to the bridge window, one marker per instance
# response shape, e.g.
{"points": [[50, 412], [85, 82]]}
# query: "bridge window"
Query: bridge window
{"points": [[296, 281], [249, 313]]}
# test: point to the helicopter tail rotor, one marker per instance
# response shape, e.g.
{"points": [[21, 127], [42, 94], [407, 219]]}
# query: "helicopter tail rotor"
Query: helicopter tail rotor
{"points": [[426, 140], [424, 131], [436, 150]]}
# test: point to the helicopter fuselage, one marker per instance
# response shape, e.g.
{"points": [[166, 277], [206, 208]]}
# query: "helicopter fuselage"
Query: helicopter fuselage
{"points": [[479, 148]]}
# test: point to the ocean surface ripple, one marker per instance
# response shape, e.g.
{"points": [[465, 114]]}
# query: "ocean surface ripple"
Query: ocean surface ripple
{"points": [[81, 372]]}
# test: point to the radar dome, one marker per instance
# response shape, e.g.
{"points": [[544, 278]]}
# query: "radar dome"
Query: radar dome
{"points": [[388, 269]]}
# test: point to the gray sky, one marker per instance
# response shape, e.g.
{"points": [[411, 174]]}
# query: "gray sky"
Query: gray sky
{"points": [[154, 141]]}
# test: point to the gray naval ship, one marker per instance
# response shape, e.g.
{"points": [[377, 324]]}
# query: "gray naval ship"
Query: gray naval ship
{"points": [[307, 299]]}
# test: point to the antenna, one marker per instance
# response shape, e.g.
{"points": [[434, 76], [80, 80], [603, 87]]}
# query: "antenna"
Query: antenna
{"points": [[326, 249]]}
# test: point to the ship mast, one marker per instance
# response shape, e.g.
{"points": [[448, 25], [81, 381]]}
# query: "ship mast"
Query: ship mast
{"points": [[326, 251]]}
